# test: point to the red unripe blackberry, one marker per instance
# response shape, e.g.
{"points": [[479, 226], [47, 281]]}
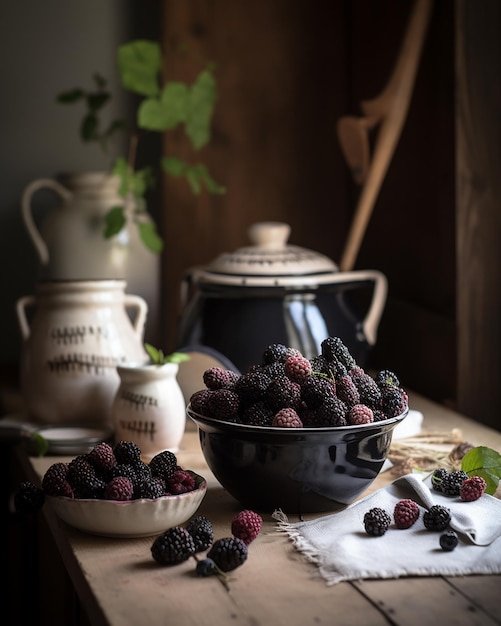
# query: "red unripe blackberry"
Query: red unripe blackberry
{"points": [[246, 525], [360, 414], [219, 378], [102, 457], [287, 418], [119, 488], [55, 481], [297, 368], [405, 513], [472, 489], [181, 481]]}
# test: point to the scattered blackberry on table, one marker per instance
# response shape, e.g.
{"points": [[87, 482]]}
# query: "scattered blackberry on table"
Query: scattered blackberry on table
{"points": [[219, 378], [206, 567], [246, 525], [387, 378], [102, 457], [119, 488], [452, 482], [333, 348], [228, 553], [163, 464], [332, 412], [317, 389], [200, 528], [376, 521], [437, 518], [360, 414], [405, 513], [297, 368], [287, 418], [283, 392], [448, 540], [181, 481], [173, 546], [437, 478], [29, 498], [347, 391], [472, 489], [55, 481], [224, 404], [127, 452]]}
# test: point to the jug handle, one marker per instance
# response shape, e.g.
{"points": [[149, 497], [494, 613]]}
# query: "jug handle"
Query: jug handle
{"points": [[21, 305], [139, 304], [29, 222], [371, 321]]}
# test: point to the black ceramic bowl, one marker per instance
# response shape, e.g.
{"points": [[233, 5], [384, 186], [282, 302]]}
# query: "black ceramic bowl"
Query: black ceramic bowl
{"points": [[298, 470]]}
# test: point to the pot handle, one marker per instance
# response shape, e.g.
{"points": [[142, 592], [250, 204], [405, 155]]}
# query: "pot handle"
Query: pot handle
{"points": [[21, 305], [371, 321], [141, 308], [29, 222]]}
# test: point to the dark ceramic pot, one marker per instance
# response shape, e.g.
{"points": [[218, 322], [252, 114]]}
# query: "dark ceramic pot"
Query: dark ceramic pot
{"points": [[272, 292], [304, 470]]}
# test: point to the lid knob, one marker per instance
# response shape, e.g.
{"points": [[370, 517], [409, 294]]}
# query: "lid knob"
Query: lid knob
{"points": [[269, 235]]}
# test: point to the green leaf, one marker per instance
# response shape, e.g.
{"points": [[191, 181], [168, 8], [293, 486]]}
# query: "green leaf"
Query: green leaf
{"points": [[202, 97], [207, 180], [114, 221], [139, 65], [154, 354], [177, 357], [174, 166], [485, 462], [71, 96], [123, 171], [166, 112], [96, 101], [150, 237], [158, 357], [89, 127], [41, 444], [141, 181], [195, 175]]}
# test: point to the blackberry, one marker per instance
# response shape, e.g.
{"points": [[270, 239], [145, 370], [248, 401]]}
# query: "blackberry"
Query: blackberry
{"points": [[125, 471], [273, 370], [448, 540], [119, 488], [275, 352], [437, 478], [437, 518], [308, 417], [252, 387], [316, 390], [386, 378], [142, 473], [173, 546], [246, 525], [83, 478], [181, 481], [332, 412], [258, 414], [392, 401], [206, 567], [405, 513], [228, 553], [150, 489], [200, 402], [219, 378], [102, 457], [472, 489], [347, 391], [360, 414], [55, 481], [451, 484], [29, 498], [333, 348], [287, 418], [202, 532], [337, 369], [379, 416], [320, 365], [127, 452], [376, 521], [297, 368], [223, 404], [163, 464], [370, 394], [282, 393]]}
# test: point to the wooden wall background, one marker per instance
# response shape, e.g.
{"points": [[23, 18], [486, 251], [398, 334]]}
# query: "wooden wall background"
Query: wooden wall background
{"points": [[286, 71]]}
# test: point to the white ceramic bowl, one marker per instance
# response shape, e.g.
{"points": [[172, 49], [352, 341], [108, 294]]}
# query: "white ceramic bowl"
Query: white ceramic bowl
{"points": [[133, 518]]}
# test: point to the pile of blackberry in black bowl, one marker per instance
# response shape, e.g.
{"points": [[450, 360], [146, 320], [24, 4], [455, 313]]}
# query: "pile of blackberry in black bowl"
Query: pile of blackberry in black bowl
{"points": [[303, 435]]}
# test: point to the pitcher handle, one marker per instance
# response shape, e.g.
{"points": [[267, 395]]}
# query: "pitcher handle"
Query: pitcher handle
{"points": [[141, 308], [371, 321], [21, 305], [34, 233]]}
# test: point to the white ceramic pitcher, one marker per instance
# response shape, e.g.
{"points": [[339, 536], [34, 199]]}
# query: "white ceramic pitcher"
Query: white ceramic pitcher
{"points": [[75, 333], [149, 408]]}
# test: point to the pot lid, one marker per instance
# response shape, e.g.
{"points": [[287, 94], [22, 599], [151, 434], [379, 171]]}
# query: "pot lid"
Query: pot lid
{"points": [[270, 257]]}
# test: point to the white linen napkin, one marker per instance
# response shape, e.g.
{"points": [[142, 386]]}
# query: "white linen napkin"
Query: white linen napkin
{"points": [[342, 549]]}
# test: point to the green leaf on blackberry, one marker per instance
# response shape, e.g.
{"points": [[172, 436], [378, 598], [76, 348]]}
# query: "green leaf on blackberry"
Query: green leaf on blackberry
{"points": [[486, 463]]}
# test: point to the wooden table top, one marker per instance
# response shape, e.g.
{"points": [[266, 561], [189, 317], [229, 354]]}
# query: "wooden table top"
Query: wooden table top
{"points": [[118, 582]]}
